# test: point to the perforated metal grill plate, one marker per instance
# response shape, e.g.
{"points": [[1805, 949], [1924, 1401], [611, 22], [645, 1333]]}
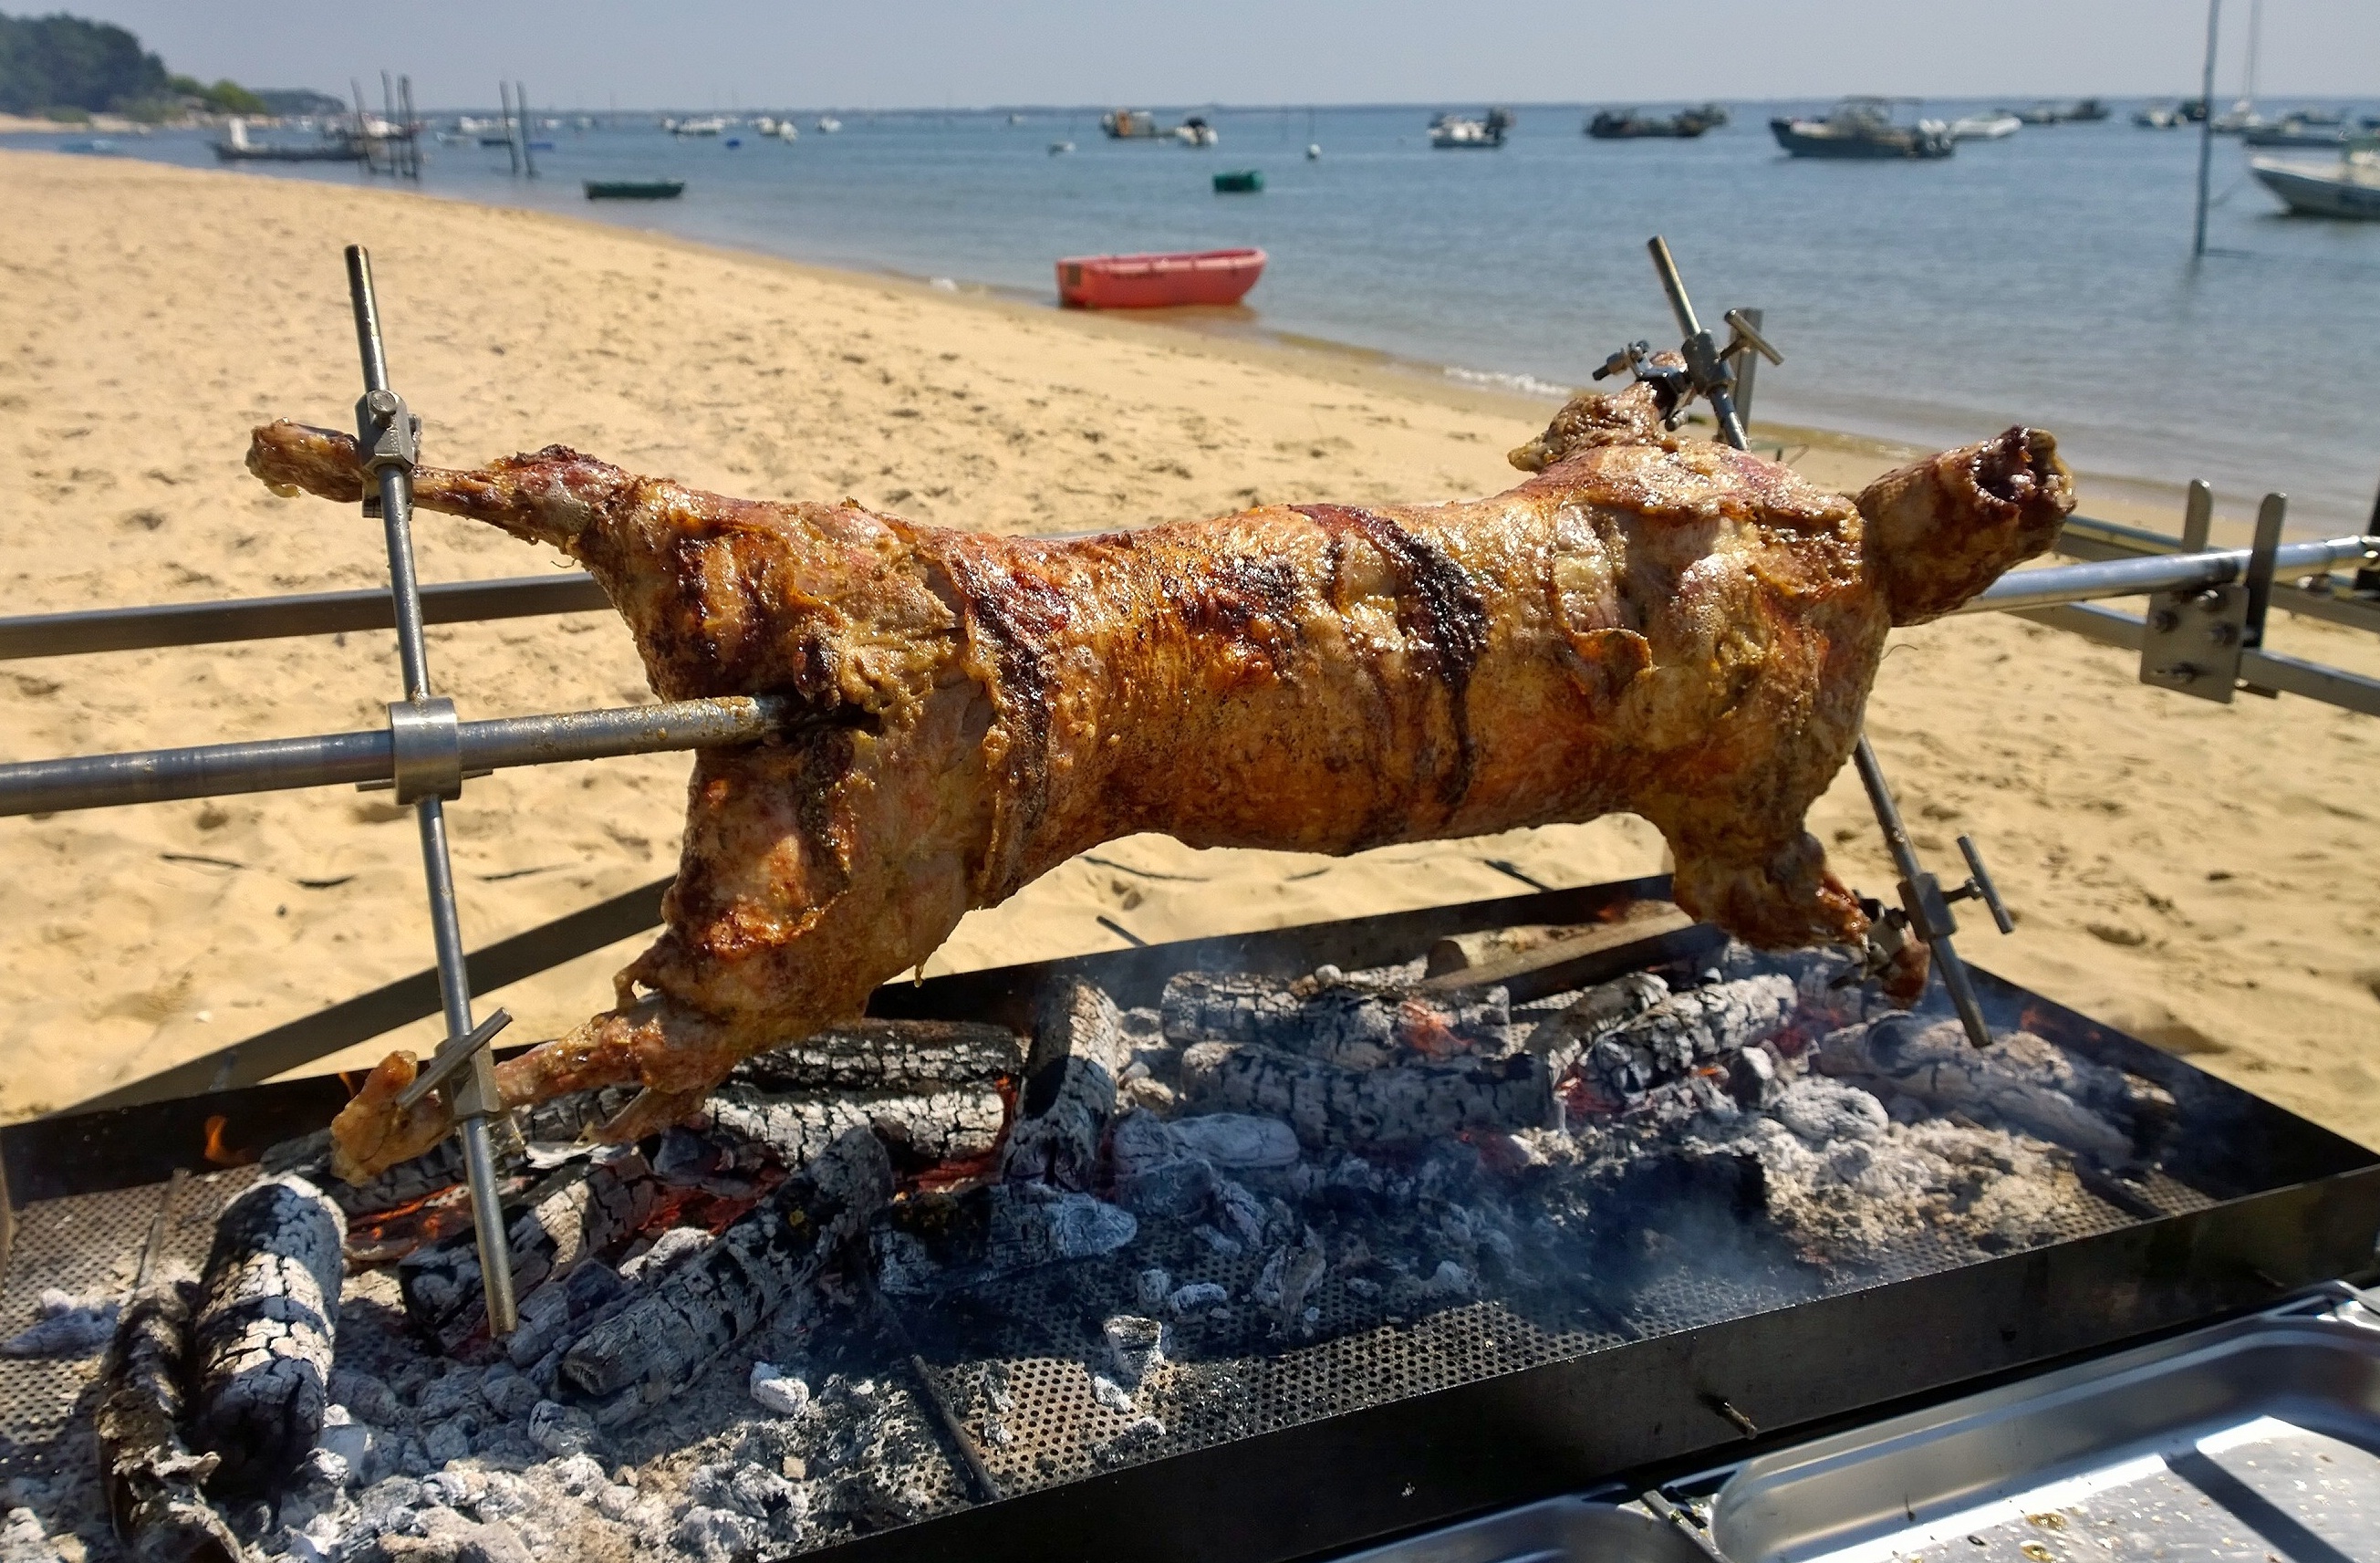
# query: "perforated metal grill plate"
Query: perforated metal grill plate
{"points": [[85, 1244]]}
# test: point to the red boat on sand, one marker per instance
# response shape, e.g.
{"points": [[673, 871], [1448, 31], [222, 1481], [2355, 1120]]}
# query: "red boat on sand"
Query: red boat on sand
{"points": [[1152, 282]]}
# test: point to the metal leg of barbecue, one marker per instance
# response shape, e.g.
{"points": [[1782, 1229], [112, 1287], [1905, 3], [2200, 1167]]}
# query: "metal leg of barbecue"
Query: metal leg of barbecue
{"points": [[1923, 901], [427, 744]]}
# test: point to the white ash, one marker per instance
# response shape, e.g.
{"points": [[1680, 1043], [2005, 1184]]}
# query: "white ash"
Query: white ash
{"points": [[1846, 1184], [1236, 1141], [65, 1326], [776, 1391], [2021, 1080]]}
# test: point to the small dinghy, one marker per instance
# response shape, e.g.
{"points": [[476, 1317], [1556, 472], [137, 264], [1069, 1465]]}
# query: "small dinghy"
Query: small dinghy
{"points": [[1155, 281], [635, 189]]}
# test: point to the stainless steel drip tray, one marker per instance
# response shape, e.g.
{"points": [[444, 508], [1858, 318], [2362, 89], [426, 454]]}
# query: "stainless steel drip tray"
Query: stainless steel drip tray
{"points": [[2256, 1439]]}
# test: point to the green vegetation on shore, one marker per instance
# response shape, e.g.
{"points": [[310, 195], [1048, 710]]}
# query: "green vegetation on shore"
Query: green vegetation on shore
{"points": [[67, 69]]}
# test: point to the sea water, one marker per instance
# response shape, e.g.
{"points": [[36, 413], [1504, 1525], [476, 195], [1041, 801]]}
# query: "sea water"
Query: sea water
{"points": [[2046, 278]]}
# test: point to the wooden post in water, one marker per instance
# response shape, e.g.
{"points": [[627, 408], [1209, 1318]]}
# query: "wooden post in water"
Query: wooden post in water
{"points": [[2206, 126], [512, 147], [520, 102]]}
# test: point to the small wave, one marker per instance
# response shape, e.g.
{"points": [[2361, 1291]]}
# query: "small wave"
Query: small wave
{"points": [[1528, 384]]}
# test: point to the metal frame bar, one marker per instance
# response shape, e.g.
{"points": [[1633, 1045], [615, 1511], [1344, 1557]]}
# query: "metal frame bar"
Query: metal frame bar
{"points": [[2091, 540], [268, 618]]}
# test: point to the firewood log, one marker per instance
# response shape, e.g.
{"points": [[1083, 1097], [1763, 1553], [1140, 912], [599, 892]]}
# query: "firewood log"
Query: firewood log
{"points": [[150, 1478], [661, 1342], [586, 1210], [262, 1336], [888, 1055], [1079, 1051], [1330, 1105], [1359, 1024]]}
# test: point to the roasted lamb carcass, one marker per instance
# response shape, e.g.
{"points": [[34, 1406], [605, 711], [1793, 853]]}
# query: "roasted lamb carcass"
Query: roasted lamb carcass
{"points": [[1649, 623]]}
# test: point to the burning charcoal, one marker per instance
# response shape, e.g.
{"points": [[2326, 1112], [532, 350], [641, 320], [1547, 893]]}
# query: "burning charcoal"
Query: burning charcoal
{"points": [[593, 1209], [1078, 1051], [899, 1057], [150, 1477], [1234, 1140], [922, 1128], [1599, 1011], [1698, 1027], [1156, 1172], [554, 1314], [998, 1229], [1328, 1105], [1752, 1079], [1287, 1278], [662, 1341], [2021, 1080], [65, 1326], [1358, 1024], [261, 1340], [1134, 1344]]}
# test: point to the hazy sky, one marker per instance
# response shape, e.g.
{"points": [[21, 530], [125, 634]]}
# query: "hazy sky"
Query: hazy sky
{"points": [[935, 53]]}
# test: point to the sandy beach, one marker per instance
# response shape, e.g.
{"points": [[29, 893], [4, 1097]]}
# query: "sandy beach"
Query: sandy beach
{"points": [[2194, 874]]}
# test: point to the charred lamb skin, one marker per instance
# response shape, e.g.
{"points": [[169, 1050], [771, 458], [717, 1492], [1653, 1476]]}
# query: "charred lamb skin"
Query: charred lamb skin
{"points": [[1649, 622]]}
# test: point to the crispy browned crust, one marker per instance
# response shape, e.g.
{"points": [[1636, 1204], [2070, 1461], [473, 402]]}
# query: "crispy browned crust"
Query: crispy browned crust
{"points": [[1663, 627]]}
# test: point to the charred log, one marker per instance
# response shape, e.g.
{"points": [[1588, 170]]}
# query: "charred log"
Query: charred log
{"points": [[1079, 1051], [888, 1055], [935, 1242], [1362, 1025], [1646, 934], [150, 1478], [1330, 1105], [1697, 1029], [587, 1211], [922, 1128], [659, 1342], [262, 1336], [2021, 1080]]}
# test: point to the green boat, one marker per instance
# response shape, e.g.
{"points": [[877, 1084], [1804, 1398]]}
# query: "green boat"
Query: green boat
{"points": [[634, 189], [1239, 181]]}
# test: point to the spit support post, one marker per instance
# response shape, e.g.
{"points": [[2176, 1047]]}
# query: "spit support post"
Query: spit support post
{"points": [[1925, 910], [429, 770]]}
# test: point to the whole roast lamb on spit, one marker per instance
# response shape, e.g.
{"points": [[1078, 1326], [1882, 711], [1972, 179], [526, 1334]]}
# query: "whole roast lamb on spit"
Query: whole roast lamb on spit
{"points": [[1649, 623]]}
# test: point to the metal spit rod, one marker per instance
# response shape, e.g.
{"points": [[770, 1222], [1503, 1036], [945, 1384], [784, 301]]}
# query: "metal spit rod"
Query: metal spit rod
{"points": [[368, 758], [1922, 896], [385, 436]]}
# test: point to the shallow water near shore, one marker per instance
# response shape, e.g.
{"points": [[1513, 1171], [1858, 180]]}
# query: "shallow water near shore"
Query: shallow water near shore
{"points": [[2046, 278]]}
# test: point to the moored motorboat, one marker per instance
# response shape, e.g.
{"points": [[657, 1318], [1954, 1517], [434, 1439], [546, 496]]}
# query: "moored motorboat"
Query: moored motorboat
{"points": [[1986, 126], [1240, 181], [1863, 127], [1628, 124], [1459, 131], [1160, 281], [2348, 188], [2296, 130]]}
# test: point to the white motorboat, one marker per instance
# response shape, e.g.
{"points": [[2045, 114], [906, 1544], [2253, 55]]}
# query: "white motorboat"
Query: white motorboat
{"points": [[828, 124], [1194, 131], [1986, 126], [2348, 188], [1455, 130]]}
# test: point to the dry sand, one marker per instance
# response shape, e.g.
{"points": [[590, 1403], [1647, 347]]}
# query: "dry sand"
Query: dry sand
{"points": [[2199, 874]]}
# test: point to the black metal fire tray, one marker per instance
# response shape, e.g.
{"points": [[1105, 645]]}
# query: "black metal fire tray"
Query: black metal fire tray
{"points": [[1370, 1422]]}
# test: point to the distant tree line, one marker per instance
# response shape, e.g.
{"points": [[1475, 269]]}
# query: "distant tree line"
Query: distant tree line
{"points": [[67, 67]]}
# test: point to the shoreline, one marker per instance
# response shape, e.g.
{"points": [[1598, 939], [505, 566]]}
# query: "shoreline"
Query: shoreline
{"points": [[1238, 332], [2186, 872]]}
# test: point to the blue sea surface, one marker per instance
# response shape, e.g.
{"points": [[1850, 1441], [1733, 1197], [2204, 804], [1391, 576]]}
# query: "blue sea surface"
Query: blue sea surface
{"points": [[2046, 278]]}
